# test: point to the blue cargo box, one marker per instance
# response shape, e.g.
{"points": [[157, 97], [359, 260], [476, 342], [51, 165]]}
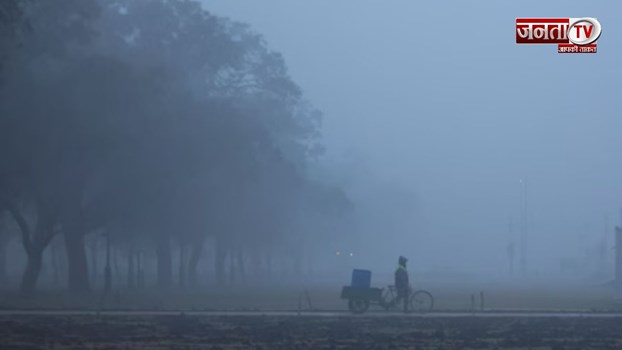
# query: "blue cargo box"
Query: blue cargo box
{"points": [[370, 294], [361, 278]]}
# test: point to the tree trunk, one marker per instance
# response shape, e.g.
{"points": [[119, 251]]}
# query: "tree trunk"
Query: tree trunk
{"points": [[78, 273], [55, 264], [221, 254], [115, 261], [34, 243], [269, 264], [140, 271], [232, 270], [241, 272], [94, 271], [3, 243], [31, 274], [107, 269], [3, 268], [182, 266], [165, 262], [131, 271], [195, 256]]}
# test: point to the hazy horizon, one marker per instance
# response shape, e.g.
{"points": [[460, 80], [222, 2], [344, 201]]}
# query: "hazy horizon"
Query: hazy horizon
{"points": [[413, 104]]}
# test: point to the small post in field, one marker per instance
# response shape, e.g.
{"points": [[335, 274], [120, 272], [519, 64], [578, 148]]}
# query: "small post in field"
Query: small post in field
{"points": [[481, 300], [472, 302]]}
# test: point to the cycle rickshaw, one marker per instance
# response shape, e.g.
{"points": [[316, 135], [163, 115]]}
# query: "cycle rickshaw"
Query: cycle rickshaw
{"points": [[360, 298]]}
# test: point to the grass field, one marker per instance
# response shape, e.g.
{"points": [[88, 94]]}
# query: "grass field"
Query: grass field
{"points": [[279, 332], [449, 296], [186, 331]]}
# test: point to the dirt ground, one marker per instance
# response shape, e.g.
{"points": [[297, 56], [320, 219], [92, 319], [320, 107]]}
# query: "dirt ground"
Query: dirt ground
{"points": [[448, 296], [185, 332]]}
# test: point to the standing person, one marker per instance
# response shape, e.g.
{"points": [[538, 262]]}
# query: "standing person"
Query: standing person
{"points": [[401, 282]]}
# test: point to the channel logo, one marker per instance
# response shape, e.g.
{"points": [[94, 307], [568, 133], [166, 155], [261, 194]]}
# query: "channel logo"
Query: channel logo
{"points": [[572, 35]]}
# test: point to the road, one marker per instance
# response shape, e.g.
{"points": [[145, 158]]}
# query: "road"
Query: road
{"points": [[498, 314]]}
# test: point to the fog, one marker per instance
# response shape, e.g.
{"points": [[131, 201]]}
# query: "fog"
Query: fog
{"points": [[310, 174], [219, 143], [434, 100]]}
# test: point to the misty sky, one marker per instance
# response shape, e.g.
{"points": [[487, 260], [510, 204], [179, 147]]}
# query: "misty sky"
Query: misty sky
{"points": [[436, 98]]}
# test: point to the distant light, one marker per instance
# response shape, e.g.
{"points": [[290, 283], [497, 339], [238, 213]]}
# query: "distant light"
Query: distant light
{"points": [[337, 253], [351, 254]]}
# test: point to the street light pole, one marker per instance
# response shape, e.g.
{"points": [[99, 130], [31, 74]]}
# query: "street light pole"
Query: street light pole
{"points": [[523, 236], [107, 270]]}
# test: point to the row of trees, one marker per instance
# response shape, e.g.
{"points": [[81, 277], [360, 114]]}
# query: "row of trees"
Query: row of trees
{"points": [[152, 122]]}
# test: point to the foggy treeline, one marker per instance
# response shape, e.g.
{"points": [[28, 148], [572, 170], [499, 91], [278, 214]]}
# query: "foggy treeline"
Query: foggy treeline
{"points": [[152, 138]]}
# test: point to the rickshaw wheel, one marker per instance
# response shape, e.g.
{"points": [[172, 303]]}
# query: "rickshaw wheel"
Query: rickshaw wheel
{"points": [[358, 306], [421, 301]]}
